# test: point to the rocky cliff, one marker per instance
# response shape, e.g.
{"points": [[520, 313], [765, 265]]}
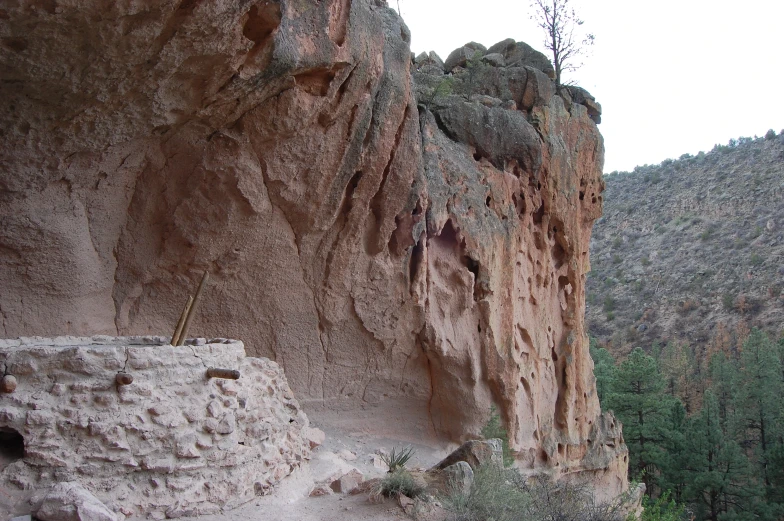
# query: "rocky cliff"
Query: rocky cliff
{"points": [[389, 230]]}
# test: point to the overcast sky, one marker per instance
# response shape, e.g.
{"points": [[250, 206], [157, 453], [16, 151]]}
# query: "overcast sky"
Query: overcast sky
{"points": [[673, 76]]}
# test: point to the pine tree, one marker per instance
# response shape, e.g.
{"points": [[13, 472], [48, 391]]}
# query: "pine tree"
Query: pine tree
{"points": [[776, 475], [725, 372], [780, 349], [716, 469], [673, 475], [674, 363], [603, 369], [759, 399], [638, 398]]}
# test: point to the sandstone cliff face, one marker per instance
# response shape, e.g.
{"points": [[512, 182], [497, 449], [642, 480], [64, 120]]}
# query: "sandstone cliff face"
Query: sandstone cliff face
{"points": [[432, 255]]}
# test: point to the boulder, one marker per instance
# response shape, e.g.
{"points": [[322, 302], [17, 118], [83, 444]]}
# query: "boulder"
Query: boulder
{"points": [[494, 58], [520, 54], [459, 476], [347, 482], [460, 57], [70, 501], [314, 436], [498, 134], [474, 453], [435, 59], [583, 97], [321, 490], [431, 58]]}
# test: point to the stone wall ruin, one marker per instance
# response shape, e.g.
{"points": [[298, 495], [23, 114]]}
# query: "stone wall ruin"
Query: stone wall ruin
{"points": [[173, 442]]}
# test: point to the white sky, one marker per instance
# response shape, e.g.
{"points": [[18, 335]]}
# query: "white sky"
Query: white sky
{"points": [[673, 76]]}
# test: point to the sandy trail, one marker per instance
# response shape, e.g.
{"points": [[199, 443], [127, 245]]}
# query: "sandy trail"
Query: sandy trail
{"points": [[346, 435]]}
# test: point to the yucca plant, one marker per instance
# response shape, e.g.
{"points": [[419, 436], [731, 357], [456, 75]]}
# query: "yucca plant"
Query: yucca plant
{"points": [[397, 460]]}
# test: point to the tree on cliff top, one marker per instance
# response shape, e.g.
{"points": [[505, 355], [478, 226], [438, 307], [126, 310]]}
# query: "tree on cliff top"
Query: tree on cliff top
{"points": [[563, 36]]}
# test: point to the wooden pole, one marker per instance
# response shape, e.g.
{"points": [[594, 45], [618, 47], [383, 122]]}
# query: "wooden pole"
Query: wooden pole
{"points": [[181, 323], [229, 374], [191, 311]]}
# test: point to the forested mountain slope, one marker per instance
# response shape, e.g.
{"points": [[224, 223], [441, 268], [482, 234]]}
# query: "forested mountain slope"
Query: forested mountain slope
{"points": [[691, 250]]}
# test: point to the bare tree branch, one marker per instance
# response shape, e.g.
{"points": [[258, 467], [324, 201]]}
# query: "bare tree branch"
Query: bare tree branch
{"points": [[561, 24]]}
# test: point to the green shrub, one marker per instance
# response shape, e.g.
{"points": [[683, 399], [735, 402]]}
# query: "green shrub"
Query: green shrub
{"points": [[494, 428], [400, 482], [569, 501], [608, 304], [756, 259], [444, 88], [770, 134], [504, 495], [493, 495], [616, 259], [645, 261], [662, 509], [610, 316], [728, 301]]}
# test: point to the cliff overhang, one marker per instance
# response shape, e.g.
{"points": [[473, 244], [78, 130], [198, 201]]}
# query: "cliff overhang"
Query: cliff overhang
{"points": [[388, 229]]}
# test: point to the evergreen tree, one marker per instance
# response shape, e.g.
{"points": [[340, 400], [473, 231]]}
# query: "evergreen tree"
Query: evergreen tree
{"points": [[780, 350], [603, 369], [673, 475], [776, 475], [716, 469], [724, 372], [638, 398], [675, 367], [759, 399]]}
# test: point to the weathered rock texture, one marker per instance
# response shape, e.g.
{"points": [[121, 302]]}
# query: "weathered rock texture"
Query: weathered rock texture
{"points": [[171, 443], [381, 251]]}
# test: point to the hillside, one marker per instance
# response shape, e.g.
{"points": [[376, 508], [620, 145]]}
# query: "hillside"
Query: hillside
{"points": [[691, 250]]}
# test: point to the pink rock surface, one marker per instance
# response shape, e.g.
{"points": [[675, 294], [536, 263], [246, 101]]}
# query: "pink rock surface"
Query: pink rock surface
{"points": [[376, 249], [171, 443]]}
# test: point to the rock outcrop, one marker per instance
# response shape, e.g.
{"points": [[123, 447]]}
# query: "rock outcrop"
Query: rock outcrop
{"points": [[384, 230]]}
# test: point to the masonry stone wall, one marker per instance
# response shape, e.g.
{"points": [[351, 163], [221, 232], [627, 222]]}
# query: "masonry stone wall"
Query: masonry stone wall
{"points": [[172, 442]]}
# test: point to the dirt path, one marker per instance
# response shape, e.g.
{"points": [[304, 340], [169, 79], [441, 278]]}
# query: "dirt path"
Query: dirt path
{"points": [[349, 444]]}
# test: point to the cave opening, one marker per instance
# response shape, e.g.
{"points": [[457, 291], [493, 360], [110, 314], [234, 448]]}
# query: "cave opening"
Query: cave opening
{"points": [[11, 446], [472, 265]]}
